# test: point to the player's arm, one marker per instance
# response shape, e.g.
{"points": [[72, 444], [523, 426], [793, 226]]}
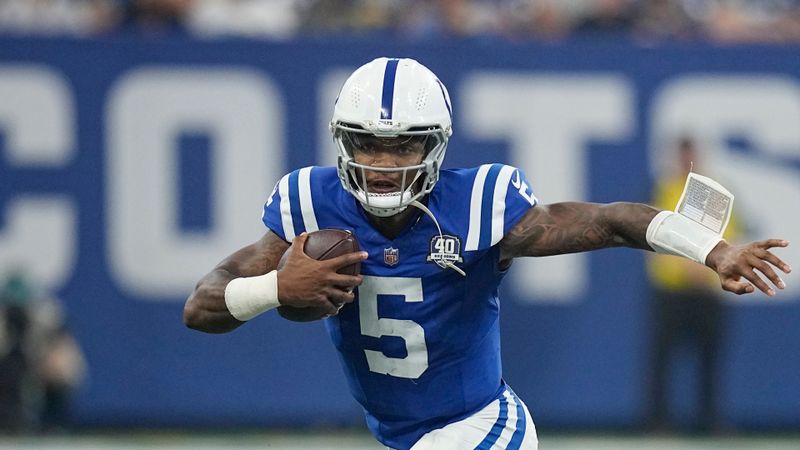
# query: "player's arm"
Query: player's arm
{"points": [[572, 227], [302, 282]]}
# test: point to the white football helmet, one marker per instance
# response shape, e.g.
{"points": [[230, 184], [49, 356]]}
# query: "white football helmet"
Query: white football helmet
{"points": [[401, 101]]}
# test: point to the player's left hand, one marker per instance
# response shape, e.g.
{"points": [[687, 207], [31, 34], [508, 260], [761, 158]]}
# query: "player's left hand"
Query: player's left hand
{"points": [[732, 263]]}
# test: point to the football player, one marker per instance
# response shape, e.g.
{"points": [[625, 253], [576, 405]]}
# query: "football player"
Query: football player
{"points": [[437, 244]]}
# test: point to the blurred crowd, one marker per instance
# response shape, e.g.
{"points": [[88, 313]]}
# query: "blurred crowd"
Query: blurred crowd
{"points": [[725, 21], [41, 363]]}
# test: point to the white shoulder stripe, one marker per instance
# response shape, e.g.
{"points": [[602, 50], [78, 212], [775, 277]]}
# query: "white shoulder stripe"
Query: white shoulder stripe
{"points": [[306, 204], [474, 231], [286, 209], [499, 203]]}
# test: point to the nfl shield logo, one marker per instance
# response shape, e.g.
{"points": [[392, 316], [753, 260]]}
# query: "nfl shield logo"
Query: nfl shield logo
{"points": [[391, 256]]}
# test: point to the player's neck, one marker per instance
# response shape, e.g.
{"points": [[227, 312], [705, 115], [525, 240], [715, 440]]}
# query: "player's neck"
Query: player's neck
{"points": [[392, 226]]}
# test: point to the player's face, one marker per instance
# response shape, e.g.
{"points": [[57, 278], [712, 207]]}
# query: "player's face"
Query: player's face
{"points": [[389, 153]]}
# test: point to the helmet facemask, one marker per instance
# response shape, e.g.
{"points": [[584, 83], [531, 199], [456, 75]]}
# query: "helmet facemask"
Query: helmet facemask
{"points": [[415, 181], [392, 105]]}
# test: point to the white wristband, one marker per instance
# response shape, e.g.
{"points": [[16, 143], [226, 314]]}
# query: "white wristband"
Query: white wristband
{"points": [[248, 297], [673, 234]]}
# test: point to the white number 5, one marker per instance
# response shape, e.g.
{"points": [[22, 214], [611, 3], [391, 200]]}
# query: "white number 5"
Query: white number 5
{"points": [[416, 362]]}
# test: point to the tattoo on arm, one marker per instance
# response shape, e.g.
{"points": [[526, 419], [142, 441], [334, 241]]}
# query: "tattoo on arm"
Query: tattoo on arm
{"points": [[256, 259], [576, 227]]}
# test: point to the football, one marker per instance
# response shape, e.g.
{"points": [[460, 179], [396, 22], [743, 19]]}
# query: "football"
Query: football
{"points": [[329, 243], [321, 245]]}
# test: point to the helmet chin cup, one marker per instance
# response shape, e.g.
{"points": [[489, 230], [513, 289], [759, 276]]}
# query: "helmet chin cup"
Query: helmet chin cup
{"points": [[384, 205]]}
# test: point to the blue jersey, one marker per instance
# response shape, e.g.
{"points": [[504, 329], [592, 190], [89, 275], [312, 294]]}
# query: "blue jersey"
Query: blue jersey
{"points": [[420, 346]]}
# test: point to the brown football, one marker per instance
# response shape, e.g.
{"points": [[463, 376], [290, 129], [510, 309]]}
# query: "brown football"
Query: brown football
{"points": [[321, 245], [329, 243]]}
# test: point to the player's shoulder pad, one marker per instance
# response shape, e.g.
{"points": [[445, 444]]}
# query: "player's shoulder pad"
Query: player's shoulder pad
{"points": [[500, 195], [290, 208]]}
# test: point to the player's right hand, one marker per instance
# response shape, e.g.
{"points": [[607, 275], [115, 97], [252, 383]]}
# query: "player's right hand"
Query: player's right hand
{"points": [[304, 282]]}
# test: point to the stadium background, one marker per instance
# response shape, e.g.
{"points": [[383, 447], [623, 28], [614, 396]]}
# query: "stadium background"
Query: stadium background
{"points": [[131, 164]]}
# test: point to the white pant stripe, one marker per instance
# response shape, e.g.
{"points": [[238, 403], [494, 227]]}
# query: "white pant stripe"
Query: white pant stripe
{"points": [[471, 432], [511, 424]]}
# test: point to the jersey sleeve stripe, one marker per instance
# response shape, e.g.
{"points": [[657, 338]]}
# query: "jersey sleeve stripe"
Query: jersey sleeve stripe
{"points": [[474, 230], [487, 208], [294, 202], [499, 203], [306, 204], [286, 213]]}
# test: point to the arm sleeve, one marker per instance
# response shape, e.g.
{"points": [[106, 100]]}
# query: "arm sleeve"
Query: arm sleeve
{"points": [[289, 210], [500, 196], [519, 199], [272, 215]]}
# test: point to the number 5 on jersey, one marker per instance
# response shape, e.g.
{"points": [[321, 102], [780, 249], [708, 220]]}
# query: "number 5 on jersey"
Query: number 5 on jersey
{"points": [[416, 361]]}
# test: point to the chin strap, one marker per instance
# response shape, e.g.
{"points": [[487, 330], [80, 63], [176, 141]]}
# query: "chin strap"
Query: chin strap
{"points": [[442, 264]]}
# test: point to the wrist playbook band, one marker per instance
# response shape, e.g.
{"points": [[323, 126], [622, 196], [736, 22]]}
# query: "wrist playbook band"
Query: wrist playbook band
{"points": [[673, 234]]}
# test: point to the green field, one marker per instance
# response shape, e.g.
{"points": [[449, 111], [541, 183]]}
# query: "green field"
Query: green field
{"points": [[358, 441]]}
